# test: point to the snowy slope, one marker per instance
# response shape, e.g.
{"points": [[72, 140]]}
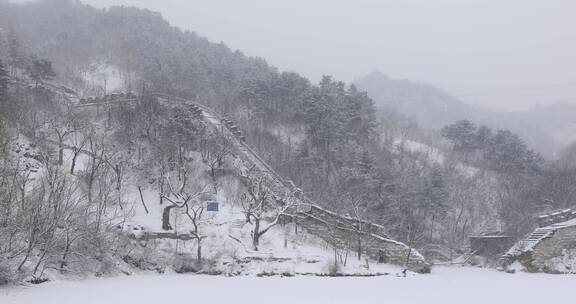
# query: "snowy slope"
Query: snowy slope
{"points": [[431, 154]]}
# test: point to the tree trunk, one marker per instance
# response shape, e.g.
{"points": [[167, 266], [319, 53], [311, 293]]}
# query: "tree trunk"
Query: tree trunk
{"points": [[166, 218], [90, 186], [256, 234], [74, 162], [118, 171], [29, 250], [161, 189], [142, 200], [199, 251], [65, 255]]}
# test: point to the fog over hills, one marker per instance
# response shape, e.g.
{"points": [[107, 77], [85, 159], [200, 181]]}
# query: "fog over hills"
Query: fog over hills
{"points": [[475, 47], [548, 128], [131, 146]]}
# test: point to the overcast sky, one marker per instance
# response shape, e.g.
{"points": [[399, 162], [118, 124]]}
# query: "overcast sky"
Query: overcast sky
{"points": [[509, 54]]}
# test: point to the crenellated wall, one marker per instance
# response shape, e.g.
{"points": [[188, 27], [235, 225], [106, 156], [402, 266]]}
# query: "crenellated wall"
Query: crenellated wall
{"points": [[556, 217]]}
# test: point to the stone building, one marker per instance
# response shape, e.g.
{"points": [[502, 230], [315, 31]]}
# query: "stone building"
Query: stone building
{"points": [[490, 245], [550, 248]]}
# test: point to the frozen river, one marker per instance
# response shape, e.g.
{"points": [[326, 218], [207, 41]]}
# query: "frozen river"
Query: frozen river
{"points": [[445, 285]]}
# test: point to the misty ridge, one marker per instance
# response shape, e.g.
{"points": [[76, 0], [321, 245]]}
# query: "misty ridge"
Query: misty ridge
{"points": [[549, 129], [129, 146]]}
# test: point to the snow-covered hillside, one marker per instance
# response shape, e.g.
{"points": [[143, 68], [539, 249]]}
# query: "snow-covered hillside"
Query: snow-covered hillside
{"points": [[431, 154]]}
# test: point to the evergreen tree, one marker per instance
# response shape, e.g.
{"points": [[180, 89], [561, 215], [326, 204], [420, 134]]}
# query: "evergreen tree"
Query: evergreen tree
{"points": [[436, 191], [483, 138], [508, 154], [40, 70], [365, 163], [16, 54], [463, 136], [4, 78]]}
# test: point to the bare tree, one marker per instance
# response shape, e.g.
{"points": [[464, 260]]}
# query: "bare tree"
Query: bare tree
{"points": [[257, 206], [214, 152], [117, 161], [64, 126], [192, 208], [79, 141], [97, 152], [98, 179]]}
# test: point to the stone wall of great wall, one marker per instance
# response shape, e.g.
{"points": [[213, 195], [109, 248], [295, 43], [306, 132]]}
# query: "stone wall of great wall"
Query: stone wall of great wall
{"points": [[342, 236], [552, 248], [556, 217], [546, 247], [337, 230], [347, 222]]}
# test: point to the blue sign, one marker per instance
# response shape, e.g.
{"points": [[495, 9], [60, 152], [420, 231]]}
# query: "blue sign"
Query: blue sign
{"points": [[299, 194], [212, 206]]}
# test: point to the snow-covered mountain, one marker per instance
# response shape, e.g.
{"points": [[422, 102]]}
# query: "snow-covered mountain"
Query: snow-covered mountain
{"points": [[546, 128]]}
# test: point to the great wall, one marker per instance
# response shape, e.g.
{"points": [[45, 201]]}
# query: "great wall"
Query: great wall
{"points": [[339, 231], [548, 246]]}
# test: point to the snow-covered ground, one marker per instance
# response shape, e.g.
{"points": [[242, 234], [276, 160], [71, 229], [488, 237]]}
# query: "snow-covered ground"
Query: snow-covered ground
{"points": [[445, 285], [103, 78], [434, 155]]}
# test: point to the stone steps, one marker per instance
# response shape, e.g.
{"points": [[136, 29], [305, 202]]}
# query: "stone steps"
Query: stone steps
{"points": [[525, 245], [538, 235]]}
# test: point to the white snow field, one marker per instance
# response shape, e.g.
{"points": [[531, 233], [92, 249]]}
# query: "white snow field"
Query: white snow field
{"points": [[445, 285]]}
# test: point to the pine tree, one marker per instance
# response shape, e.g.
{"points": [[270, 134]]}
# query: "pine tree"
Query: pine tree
{"points": [[17, 56], [40, 70], [462, 134], [4, 78], [365, 163], [436, 191], [483, 137]]}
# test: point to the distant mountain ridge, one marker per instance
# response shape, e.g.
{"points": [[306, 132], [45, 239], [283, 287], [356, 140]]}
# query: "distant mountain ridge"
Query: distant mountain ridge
{"points": [[428, 105], [548, 129]]}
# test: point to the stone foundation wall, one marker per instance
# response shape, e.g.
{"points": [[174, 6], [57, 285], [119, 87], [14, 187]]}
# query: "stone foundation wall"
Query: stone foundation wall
{"points": [[376, 247], [346, 222], [552, 248], [556, 217], [490, 246]]}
